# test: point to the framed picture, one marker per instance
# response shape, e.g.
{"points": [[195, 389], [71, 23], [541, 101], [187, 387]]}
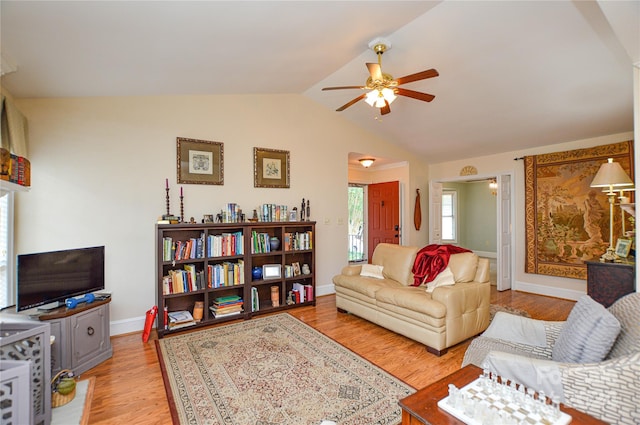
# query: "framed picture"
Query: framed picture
{"points": [[200, 162], [296, 269], [623, 246], [271, 271], [270, 168]]}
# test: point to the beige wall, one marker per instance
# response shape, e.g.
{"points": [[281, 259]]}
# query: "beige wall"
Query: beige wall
{"points": [[99, 167], [504, 163]]}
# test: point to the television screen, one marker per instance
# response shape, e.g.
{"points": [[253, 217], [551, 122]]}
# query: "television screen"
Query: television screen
{"points": [[49, 277]]}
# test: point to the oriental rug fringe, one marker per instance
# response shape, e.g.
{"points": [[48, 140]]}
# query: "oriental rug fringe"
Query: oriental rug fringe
{"points": [[274, 370]]}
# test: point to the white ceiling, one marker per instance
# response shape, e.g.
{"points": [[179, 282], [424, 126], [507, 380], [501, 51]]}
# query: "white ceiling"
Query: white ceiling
{"points": [[513, 74]]}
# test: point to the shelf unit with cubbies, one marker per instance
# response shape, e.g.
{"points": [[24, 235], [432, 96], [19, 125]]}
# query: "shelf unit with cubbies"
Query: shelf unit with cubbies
{"points": [[198, 263], [274, 293], [218, 263]]}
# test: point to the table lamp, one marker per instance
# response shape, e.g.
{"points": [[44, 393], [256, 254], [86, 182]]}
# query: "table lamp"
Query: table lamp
{"points": [[612, 177]]}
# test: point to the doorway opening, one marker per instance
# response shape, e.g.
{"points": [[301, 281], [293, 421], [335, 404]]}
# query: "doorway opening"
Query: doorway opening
{"points": [[484, 214]]}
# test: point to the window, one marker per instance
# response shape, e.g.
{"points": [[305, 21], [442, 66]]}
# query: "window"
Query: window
{"points": [[356, 223], [449, 215]]}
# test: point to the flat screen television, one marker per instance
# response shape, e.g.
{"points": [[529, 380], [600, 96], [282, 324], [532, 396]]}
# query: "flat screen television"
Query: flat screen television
{"points": [[51, 277]]}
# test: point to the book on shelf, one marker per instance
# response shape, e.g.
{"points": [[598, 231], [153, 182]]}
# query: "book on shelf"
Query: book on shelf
{"points": [[225, 274], [260, 242], [218, 315], [180, 319], [274, 212], [225, 244], [186, 280], [15, 168], [298, 241], [188, 249], [255, 301], [226, 306], [301, 293]]}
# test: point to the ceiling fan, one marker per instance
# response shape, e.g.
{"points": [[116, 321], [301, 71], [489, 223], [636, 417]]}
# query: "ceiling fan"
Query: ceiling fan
{"points": [[383, 89]]}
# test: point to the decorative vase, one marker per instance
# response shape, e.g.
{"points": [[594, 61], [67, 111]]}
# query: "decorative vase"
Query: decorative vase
{"points": [[198, 310], [274, 242], [306, 269], [256, 273], [275, 296]]}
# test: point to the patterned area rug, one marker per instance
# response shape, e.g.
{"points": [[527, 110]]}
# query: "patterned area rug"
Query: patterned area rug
{"points": [[494, 308], [274, 370]]}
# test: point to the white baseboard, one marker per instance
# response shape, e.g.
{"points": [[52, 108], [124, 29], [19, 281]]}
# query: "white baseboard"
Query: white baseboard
{"points": [[136, 324], [568, 294], [325, 290], [126, 326]]}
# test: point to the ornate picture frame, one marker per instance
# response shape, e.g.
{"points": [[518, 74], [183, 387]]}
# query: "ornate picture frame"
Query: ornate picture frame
{"points": [[200, 161], [270, 168], [566, 220]]}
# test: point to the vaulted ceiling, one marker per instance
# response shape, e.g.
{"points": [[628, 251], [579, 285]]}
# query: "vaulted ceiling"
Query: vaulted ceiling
{"points": [[513, 74]]}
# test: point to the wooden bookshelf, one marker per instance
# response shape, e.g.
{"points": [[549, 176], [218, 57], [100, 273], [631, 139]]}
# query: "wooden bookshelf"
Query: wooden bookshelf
{"points": [[241, 253]]}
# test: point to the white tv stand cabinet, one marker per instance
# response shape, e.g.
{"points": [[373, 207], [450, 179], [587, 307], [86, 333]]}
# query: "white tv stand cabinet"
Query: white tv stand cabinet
{"points": [[82, 337]]}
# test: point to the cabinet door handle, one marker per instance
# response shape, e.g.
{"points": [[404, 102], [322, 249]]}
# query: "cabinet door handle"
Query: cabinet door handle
{"points": [[90, 330]]}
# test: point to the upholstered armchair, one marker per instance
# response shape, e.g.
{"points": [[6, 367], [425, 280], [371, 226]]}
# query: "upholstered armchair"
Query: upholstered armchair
{"points": [[591, 362]]}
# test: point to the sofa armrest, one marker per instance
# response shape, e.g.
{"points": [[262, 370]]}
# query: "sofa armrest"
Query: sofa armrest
{"points": [[351, 270], [467, 309], [608, 390], [539, 374]]}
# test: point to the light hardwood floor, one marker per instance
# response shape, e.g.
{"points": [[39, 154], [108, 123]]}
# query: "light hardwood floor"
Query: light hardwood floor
{"points": [[129, 387]]}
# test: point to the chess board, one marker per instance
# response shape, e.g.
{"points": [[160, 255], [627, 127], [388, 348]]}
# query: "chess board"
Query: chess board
{"points": [[498, 407]]}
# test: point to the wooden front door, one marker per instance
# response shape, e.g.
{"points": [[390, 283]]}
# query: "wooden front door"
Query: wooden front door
{"points": [[384, 214]]}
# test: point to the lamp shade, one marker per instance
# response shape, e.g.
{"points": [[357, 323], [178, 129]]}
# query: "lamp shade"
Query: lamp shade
{"points": [[611, 175]]}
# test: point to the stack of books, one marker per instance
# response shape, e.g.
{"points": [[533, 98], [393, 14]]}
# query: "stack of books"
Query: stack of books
{"points": [[180, 319], [226, 306]]}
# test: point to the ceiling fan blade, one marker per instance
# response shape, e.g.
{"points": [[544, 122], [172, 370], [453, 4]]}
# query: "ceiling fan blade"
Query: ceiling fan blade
{"points": [[375, 71], [429, 73], [344, 87], [386, 109], [414, 94], [345, 106]]}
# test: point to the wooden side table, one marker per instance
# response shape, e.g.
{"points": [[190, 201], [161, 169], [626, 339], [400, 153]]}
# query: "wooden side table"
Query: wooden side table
{"points": [[606, 282], [422, 408]]}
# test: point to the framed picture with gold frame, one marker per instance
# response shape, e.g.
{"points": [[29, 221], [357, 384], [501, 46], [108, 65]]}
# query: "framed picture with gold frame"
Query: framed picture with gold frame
{"points": [[200, 161], [270, 168]]}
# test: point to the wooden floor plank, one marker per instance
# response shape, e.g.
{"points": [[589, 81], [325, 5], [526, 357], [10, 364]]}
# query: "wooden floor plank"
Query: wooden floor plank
{"points": [[129, 386]]}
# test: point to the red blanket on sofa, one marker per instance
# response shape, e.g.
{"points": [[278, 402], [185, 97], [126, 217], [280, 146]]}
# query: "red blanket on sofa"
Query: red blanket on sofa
{"points": [[431, 260]]}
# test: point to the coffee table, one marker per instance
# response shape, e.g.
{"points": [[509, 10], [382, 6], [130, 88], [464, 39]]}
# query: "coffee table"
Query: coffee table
{"points": [[422, 408]]}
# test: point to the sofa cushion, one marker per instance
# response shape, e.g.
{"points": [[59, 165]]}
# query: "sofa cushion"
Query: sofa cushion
{"points": [[626, 311], [367, 286], [444, 278], [371, 270], [397, 261], [588, 334], [411, 299], [463, 266]]}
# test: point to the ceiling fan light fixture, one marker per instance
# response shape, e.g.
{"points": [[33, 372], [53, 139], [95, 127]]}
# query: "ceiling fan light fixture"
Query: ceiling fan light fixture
{"points": [[372, 97], [377, 97], [389, 95], [366, 162]]}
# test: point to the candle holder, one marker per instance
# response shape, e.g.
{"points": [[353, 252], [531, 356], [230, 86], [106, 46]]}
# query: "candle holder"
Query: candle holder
{"points": [[168, 213], [181, 209]]}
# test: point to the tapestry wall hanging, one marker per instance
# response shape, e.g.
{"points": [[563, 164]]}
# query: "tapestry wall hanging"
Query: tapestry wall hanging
{"points": [[566, 220]]}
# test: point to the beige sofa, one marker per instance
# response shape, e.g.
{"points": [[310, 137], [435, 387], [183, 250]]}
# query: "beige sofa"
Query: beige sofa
{"points": [[440, 319]]}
